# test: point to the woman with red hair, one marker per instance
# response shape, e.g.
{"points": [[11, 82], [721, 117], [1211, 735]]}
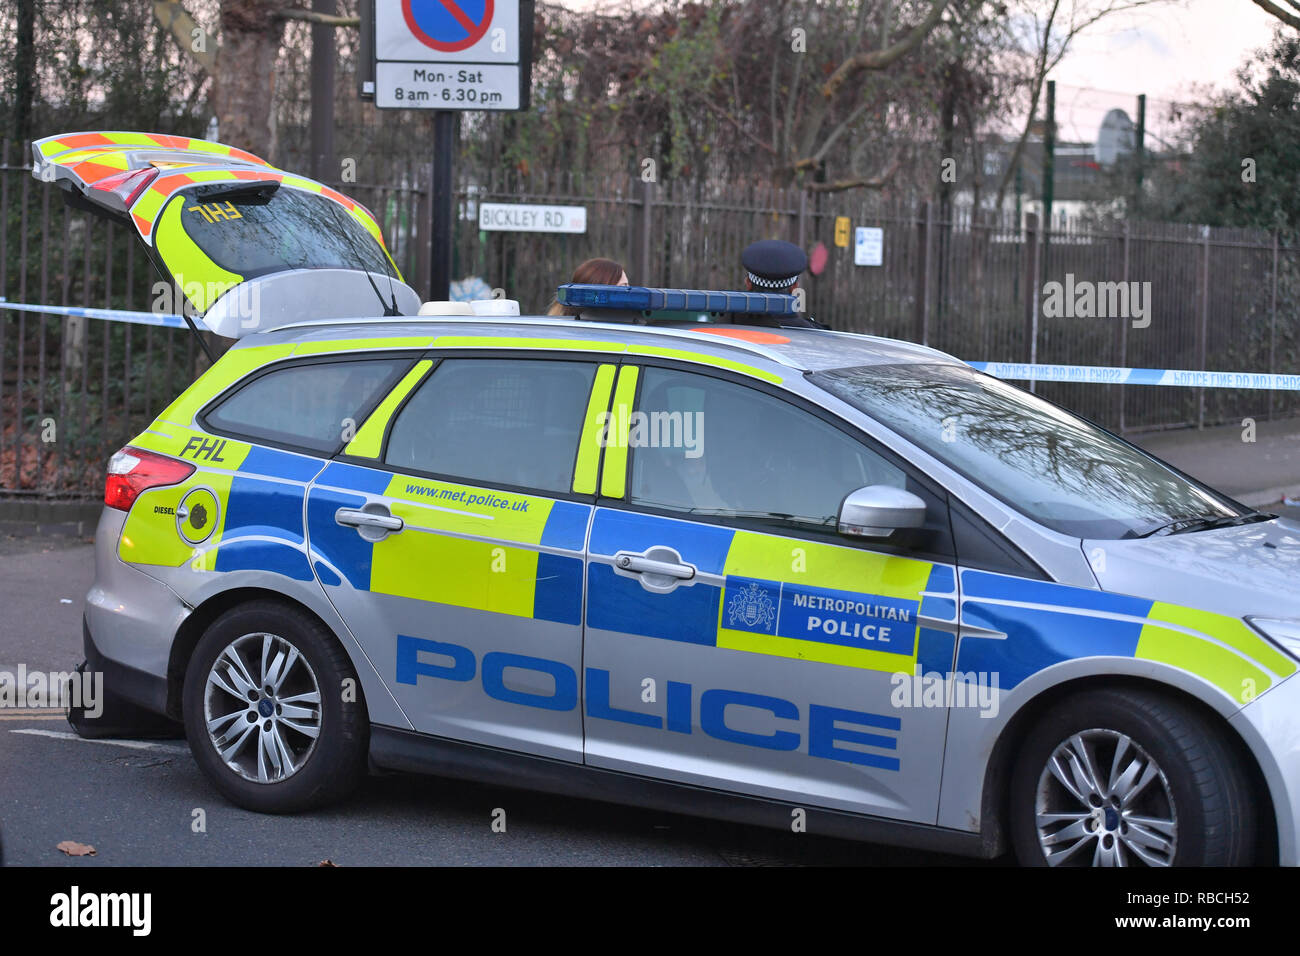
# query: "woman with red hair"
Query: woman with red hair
{"points": [[592, 272]]}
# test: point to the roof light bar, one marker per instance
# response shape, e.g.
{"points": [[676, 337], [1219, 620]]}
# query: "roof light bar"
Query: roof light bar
{"points": [[641, 299]]}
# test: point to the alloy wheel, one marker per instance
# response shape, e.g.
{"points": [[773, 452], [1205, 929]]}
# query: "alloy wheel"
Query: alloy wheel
{"points": [[1102, 800], [262, 707]]}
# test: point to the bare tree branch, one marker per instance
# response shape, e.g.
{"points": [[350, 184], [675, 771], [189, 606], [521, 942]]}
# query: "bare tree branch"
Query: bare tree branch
{"points": [[809, 162], [1047, 60], [875, 182], [790, 102], [883, 59], [738, 126], [1040, 74], [813, 115], [771, 90], [1290, 19], [192, 38]]}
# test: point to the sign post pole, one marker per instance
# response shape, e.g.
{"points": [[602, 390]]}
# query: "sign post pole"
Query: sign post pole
{"points": [[447, 56], [440, 262]]}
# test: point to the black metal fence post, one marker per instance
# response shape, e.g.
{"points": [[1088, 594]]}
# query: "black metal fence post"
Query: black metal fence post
{"points": [[1029, 284], [1203, 321], [921, 305]]}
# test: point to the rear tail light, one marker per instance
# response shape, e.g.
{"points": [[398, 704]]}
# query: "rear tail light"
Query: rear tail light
{"points": [[133, 470], [126, 186]]}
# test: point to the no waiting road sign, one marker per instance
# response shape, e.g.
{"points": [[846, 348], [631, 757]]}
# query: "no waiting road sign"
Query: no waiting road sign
{"points": [[448, 26], [451, 54]]}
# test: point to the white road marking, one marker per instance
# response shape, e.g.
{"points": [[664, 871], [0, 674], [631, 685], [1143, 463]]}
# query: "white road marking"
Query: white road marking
{"points": [[132, 744], [34, 717]]}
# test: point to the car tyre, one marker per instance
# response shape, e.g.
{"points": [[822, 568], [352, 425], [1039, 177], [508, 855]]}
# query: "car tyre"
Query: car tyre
{"points": [[266, 713], [1116, 777]]}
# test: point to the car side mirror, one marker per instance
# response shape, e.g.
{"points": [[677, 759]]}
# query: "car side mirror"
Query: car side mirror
{"points": [[877, 511]]}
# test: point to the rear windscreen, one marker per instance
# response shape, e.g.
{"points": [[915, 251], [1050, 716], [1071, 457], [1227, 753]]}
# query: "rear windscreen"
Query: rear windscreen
{"points": [[254, 235]]}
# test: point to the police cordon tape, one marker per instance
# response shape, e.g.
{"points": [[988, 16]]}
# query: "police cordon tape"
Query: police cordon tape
{"points": [[1110, 375], [165, 319], [1014, 371]]}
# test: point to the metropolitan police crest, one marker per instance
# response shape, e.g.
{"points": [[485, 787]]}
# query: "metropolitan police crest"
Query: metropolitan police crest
{"points": [[752, 607]]}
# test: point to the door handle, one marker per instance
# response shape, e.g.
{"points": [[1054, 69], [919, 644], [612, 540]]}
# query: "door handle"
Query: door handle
{"points": [[368, 519], [639, 564], [372, 523]]}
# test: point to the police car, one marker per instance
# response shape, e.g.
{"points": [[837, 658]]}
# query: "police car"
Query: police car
{"points": [[764, 574]]}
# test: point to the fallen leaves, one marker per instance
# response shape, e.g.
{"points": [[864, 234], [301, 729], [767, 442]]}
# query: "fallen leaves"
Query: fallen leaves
{"points": [[73, 848]]}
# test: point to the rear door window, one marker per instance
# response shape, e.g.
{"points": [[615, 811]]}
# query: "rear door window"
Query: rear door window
{"points": [[501, 421], [310, 407]]}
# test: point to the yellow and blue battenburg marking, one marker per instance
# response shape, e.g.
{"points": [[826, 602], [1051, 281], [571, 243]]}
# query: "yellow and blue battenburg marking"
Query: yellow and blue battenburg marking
{"points": [[1048, 623], [780, 596], [259, 495], [813, 601], [465, 546]]}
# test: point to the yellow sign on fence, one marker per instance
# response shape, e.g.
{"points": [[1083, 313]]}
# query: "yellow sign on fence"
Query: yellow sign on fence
{"points": [[842, 231]]}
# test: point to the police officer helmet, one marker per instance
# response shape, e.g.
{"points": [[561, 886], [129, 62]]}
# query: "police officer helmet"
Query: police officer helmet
{"points": [[773, 265]]}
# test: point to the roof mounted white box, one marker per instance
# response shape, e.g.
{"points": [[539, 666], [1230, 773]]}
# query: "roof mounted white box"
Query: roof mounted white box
{"points": [[495, 306], [446, 308]]}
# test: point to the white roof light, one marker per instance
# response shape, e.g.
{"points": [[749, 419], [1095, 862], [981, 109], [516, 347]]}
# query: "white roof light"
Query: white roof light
{"points": [[446, 308], [495, 306]]}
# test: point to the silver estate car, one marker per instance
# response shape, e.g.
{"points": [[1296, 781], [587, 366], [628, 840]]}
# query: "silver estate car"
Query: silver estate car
{"points": [[725, 570]]}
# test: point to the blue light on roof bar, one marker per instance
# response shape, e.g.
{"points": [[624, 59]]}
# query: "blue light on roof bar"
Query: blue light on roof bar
{"points": [[640, 299]]}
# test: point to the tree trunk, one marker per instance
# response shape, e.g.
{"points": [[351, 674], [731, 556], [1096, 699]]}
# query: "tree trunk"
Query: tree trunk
{"points": [[251, 34], [25, 74]]}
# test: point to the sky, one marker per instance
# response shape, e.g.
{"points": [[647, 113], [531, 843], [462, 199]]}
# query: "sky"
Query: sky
{"points": [[1165, 49], [1169, 51]]}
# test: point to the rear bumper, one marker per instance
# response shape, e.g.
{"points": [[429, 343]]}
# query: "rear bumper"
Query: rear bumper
{"points": [[140, 688], [130, 623]]}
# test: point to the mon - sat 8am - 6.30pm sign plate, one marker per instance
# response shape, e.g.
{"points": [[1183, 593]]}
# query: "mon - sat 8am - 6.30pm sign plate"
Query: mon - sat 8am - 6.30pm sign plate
{"points": [[447, 54]]}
